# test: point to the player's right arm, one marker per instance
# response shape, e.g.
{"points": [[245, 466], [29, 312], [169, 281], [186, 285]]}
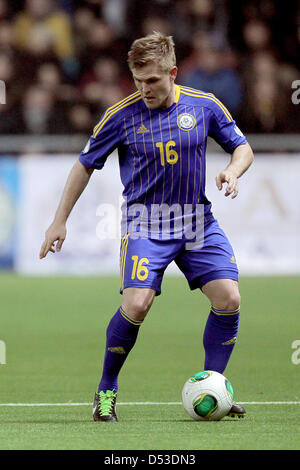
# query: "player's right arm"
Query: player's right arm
{"points": [[77, 180], [105, 139]]}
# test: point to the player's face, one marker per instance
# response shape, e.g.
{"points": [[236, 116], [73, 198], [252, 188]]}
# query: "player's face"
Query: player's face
{"points": [[156, 87]]}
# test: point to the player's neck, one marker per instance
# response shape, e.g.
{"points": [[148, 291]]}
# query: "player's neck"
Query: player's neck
{"points": [[170, 98]]}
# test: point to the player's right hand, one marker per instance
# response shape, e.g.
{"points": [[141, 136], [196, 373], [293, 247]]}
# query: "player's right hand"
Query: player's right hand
{"points": [[55, 233]]}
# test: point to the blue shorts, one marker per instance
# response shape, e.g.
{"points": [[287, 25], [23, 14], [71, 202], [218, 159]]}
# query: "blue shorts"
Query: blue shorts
{"points": [[143, 261]]}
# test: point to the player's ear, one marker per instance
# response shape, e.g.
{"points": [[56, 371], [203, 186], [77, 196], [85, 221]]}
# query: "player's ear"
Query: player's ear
{"points": [[173, 73]]}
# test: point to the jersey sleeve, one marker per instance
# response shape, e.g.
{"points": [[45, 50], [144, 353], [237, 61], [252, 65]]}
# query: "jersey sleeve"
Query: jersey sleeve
{"points": [[223, 128], [104, 140]]}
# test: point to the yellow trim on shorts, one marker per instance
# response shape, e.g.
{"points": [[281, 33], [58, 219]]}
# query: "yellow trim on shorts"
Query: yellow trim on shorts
{"points": [[123, 254]]}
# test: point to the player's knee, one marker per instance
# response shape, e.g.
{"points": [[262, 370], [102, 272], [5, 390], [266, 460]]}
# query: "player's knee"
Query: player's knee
{"points": [[234, 301], [138, 305], [230, 301]]}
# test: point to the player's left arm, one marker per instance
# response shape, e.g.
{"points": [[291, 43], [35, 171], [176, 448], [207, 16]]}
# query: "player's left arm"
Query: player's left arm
{"points": [[241, 159]]}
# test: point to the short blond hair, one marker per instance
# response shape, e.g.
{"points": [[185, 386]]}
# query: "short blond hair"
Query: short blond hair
{"points": [[155, 47]]}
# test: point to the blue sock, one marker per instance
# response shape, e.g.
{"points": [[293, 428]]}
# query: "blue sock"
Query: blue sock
{"points": [[121, 336], [219, 338]]}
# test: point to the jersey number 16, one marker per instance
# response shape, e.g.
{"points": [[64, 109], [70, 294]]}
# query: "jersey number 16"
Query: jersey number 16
{"points": [[168, 153]]}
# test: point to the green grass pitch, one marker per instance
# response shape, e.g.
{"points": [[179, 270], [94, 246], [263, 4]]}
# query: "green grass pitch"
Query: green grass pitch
{"points": [[54, 333]]}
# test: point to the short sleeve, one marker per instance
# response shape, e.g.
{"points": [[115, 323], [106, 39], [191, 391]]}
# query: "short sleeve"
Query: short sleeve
{"points": [[104, 140], [223, 128]]}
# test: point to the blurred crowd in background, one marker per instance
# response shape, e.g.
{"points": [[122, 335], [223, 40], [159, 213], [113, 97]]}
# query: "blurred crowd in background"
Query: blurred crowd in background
{"points": [[65, 61]]}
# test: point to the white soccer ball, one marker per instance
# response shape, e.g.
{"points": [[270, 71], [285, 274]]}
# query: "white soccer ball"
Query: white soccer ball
{"points": [[207, 396]]}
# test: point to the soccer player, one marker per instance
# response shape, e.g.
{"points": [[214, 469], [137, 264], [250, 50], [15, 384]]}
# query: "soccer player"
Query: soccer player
{"points": [[160, 132]]}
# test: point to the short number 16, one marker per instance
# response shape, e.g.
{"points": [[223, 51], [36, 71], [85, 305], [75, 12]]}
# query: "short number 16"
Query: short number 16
{"points": [[139, 269]]}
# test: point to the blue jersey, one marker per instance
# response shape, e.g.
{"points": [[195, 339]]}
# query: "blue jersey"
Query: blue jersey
{"points": [[162, 152]]}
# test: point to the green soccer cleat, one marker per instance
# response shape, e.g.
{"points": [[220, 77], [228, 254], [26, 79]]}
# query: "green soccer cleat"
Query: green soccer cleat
{"points": [[236, 411], [104, 407]]}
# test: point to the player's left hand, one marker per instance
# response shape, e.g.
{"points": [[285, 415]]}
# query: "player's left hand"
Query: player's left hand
{"points": [[231, 179]]}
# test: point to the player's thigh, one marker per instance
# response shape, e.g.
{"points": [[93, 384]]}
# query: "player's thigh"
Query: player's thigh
{"points": [[143, 262], [137, 302], [215, 260], [223, 294]]}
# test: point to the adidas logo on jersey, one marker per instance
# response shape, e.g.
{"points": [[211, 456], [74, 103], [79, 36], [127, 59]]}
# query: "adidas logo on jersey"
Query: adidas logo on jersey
{"points": [[142, 129]]}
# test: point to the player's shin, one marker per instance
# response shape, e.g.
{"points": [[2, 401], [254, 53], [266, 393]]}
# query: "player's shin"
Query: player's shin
{"points": [[219, 338], [121, 335]]}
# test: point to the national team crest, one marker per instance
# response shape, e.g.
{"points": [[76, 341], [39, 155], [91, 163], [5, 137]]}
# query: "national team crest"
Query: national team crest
{"points": [[186, 122]]}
